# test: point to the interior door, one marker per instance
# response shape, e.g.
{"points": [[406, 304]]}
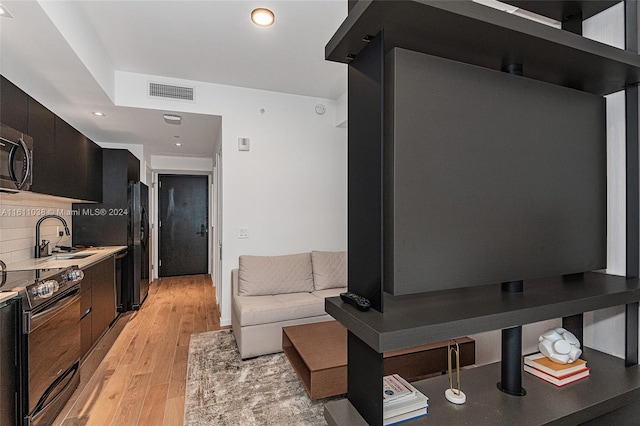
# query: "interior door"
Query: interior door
{"points": [[183, 227]]}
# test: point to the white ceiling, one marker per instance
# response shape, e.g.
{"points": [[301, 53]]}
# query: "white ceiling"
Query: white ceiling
{"points": [[202, 41]]}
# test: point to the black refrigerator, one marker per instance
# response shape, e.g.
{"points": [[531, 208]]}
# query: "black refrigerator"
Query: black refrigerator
{"points": [[121, 219], [139, 247]]}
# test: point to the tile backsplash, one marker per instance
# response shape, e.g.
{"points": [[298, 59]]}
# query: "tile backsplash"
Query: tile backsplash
{"points": [[19, 214]]}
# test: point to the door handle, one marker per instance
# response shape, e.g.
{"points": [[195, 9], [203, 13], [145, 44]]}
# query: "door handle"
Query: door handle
{"points": [[203, 230]]}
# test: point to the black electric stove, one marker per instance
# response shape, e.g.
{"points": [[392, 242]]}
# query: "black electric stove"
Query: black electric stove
{"points": [[38, 286], [49, 342]]}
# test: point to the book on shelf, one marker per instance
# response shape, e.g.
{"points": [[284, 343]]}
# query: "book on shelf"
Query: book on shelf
{"points": [[559, 371], [421, 412], [395, 387], [565, 380], [401, 401]]}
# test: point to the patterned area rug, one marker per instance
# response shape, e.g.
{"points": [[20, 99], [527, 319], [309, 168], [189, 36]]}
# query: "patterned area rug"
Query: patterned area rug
{"points": [[224, 390]]}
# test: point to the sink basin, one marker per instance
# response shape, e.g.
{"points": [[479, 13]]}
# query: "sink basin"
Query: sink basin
{"points": [[70, 256]]}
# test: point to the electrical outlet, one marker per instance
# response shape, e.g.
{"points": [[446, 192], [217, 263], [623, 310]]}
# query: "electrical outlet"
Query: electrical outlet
{"points": [[244, 233]]}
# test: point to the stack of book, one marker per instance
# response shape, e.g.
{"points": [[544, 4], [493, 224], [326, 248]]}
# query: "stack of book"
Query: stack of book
{"points": [[558, 374], [401, 401]]}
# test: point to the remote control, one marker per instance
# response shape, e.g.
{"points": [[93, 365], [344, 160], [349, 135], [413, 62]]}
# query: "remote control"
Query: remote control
{"points": [[358, 301]]}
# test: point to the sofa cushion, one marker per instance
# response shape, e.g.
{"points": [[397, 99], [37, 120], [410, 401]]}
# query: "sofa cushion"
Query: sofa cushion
{"points": [[329, 292], [262, 275], [329, 269], [280, 307]]}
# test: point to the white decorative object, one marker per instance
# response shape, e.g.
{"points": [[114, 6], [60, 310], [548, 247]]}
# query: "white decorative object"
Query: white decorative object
{"points": [[559, 345]]}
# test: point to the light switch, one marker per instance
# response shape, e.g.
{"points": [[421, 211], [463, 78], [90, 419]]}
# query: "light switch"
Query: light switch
{"points": [[244, 233], [243, 144]]}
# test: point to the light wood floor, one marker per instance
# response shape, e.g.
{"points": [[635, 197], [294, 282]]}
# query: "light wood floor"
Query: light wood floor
{"points": [[140, 364]]}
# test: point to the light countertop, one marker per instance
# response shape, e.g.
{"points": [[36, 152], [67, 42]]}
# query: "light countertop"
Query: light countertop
{"points": [[6, 295], [63, 260]]}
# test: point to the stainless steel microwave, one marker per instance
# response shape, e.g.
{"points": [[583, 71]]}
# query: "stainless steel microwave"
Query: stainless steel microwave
{"points": [[16, 160]]}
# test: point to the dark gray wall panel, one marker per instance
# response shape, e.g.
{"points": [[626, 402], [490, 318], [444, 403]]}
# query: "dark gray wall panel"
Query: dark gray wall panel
{"points": [[495, 177]]}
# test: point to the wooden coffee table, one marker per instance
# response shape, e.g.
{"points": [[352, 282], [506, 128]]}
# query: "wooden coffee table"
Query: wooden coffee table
{"points": [[318, 354]]}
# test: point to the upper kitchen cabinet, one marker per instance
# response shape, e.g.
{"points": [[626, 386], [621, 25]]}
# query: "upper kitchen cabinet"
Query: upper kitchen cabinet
{"points": [[78, 162], [14, 104], [42, 129], [66, 163]]}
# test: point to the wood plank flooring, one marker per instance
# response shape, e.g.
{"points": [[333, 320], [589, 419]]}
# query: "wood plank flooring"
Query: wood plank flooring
{"points": [[136, 374]]}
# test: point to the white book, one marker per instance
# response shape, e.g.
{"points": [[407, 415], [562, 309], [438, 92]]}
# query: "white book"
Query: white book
{"points": [[411, 399], [406, 416], [395, 387]]}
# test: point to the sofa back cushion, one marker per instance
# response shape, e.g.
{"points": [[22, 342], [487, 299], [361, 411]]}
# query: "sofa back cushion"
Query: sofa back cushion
{"points": [[262, 275], [329, 269]]}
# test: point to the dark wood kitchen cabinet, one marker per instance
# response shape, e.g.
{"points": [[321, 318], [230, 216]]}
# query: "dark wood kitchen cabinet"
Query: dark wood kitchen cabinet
{"points": [[98, 302], [78, 162], [119, 167], [42, 128], [9, 311], [66, 162], [13, 106], [86, 340]]}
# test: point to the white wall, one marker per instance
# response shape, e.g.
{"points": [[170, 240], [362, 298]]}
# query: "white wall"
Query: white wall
{"points": [[604, 329], [174, 164], [290, 189]]}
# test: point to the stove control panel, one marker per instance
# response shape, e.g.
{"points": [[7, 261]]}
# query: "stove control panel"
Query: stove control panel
{"points": [[73, 276], [45, 289]]}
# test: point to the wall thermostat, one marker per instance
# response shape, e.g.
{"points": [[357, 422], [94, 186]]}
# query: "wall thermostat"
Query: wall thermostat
{"points": [[320, 109], [243, 144]]}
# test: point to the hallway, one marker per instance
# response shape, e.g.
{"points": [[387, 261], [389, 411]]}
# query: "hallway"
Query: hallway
{"points": [[140, 378]]}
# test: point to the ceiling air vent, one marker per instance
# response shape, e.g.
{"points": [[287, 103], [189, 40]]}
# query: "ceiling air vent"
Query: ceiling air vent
{"points": [[168, 91]]}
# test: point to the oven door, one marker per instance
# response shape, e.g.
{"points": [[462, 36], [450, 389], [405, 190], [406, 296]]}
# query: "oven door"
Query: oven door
{"points": [[16, 165], [54, 356]]}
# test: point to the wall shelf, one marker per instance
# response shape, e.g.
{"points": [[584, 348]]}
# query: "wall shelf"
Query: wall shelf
{"points": [[610, 386], [430, 317], [472, 33]]}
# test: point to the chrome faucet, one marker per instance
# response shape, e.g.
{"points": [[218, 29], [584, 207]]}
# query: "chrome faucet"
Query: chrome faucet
{"points": [[42, 246]]}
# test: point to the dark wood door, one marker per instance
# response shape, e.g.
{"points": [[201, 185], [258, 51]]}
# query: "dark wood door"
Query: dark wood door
{"points": [[184, 225]]}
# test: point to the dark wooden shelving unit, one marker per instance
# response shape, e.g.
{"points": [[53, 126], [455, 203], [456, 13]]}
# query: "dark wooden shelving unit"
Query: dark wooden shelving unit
{"points": [[564, 10], [610, 386], [475, 34], [418, 319]]}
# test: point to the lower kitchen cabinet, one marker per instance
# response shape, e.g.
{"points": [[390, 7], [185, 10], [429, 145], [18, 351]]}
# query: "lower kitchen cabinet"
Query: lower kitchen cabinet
{"points": [[8, 361], [98, 302], [85, 317]]}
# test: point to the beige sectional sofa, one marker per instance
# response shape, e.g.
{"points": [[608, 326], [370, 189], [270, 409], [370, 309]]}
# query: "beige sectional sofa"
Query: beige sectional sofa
{"points": [[271, 292]]}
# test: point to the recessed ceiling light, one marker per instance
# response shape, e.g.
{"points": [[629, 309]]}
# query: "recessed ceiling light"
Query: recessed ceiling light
{"points": [[262, 17], [98, 114], [172, 119], [4, 12], [178, 144]]}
